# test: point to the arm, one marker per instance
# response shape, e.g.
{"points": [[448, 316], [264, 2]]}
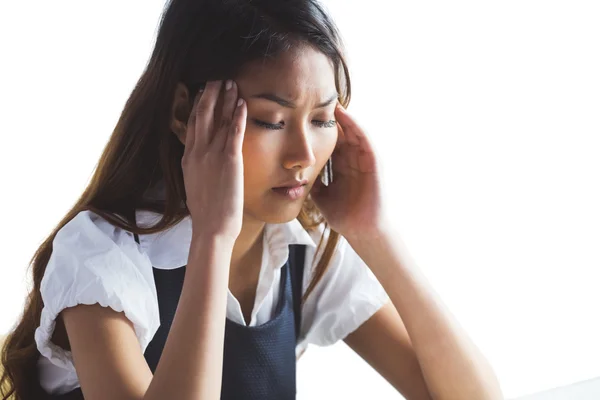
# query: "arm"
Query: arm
{"points": [[192, 361], [382, 341], [417, 342], [107, 355]]}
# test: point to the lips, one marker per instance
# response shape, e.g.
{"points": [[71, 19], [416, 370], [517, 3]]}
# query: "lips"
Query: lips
{"points": [[292, 193], [294, 184]]}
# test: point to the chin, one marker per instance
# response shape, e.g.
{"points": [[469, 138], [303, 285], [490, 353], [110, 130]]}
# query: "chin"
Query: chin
{"points": [[272, 214], [282, 217]]}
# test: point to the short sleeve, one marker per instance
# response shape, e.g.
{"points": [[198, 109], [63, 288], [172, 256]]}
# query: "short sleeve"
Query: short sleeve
{"points": [[347, 296], [94, 262]]}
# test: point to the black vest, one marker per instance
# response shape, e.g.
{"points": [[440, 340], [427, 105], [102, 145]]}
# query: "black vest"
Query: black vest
{"points": [[259, 362]]}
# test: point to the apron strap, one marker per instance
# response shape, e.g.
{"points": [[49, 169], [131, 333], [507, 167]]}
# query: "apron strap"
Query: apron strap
{"points": [[297, 255]]}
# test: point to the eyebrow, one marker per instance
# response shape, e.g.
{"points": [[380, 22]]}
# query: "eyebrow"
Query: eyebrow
{"points": [[290, 104]]}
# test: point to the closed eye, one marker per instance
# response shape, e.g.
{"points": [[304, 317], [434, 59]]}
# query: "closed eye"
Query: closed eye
{"points": [[325, 124], [320, 124]]}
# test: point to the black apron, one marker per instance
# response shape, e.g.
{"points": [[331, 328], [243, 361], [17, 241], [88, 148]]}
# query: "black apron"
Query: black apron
{"points": [[259, 362]]}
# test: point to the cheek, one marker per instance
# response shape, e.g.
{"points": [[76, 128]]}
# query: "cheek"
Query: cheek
{"points": [[257, 158], [325, 146]]}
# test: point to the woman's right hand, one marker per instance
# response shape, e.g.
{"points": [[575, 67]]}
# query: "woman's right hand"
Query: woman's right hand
{"points": [[213, 169]]}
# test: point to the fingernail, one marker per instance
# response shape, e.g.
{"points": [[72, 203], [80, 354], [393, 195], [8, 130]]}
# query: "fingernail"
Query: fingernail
{"points": [[228, 84], [240, 102]]}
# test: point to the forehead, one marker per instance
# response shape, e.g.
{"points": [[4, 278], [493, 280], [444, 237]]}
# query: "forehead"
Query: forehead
{"points": [[297, 74]]}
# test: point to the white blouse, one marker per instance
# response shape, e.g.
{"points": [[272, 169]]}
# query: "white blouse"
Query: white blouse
{"points": [[95, 262]]}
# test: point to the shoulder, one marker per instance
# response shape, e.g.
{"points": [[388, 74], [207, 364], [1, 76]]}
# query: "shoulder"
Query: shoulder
{"points": [[89, 247], [346, 296], [95, 262]]}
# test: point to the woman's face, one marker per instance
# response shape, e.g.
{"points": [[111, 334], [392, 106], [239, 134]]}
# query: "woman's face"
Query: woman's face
{"points": [[286, 142]]}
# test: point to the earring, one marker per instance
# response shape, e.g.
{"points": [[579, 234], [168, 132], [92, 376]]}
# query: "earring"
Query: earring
{"points": [[327, 173]]}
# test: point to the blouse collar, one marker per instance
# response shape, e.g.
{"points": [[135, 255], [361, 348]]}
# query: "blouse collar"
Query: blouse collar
{"points": [[169, 249]]}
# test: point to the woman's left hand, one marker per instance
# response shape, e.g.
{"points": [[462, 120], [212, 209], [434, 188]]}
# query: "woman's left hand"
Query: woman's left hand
{"points": [[352, 204]]}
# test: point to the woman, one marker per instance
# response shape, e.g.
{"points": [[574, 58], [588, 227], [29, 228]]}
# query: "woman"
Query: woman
{"points": [[192, 266]]}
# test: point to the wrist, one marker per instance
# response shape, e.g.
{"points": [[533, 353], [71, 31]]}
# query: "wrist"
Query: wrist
{"points": [[207, 239], [205, 244], [370, 235], [213, 236]]}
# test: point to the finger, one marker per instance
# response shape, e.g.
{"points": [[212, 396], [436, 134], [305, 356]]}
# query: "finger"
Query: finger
{"points": [[189, 129], [353, 133], [235, 138], [205, 111], [347, 124], [341, 139], [227, 116]]}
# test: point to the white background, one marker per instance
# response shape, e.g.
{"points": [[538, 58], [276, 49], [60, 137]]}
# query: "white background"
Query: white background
{"points": [[486, 116]]}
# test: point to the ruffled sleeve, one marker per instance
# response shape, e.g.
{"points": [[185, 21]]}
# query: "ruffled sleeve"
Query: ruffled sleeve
{"points": [[93, 262], [347, 296]]}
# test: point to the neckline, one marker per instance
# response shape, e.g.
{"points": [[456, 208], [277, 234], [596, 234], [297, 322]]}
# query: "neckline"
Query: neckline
{"points": [[283, 303]]}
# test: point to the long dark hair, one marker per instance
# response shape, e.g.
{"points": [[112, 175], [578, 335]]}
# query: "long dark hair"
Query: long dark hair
{"points": [[197, 41]]}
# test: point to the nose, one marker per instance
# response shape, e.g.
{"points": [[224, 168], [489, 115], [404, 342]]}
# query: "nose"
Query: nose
{"points": [[299, 152]]}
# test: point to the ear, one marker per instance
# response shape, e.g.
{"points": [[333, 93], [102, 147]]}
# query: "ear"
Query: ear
{"points": [[180, 111]]}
